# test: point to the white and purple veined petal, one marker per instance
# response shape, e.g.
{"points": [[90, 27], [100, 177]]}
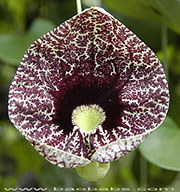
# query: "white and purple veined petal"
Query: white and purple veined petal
{"points": [[90, 59]]}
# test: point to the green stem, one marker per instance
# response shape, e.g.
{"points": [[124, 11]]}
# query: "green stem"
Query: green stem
{"points": [[164, 48], [93, 171], [79, 7], [143, 172]]}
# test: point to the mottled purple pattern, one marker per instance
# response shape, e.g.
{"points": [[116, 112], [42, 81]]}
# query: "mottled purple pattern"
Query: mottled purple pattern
{"points": [[90, 59]]}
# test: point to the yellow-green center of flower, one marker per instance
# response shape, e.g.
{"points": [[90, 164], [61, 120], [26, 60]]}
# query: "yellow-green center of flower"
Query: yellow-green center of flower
{"points": [[88, 117]]}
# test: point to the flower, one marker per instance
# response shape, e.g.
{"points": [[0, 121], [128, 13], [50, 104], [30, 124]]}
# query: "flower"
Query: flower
{"points": [[89, 90]]}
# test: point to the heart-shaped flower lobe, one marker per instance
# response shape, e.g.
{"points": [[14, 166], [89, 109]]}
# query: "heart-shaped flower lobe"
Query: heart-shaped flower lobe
{"points": [[89, 90]]}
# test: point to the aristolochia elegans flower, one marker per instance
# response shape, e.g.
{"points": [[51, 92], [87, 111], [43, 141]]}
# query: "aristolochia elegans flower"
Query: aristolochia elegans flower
{"points": [[88, 91]]}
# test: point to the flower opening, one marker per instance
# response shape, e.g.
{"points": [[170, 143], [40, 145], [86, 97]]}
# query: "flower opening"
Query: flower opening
{"points": [[88, 117]]}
